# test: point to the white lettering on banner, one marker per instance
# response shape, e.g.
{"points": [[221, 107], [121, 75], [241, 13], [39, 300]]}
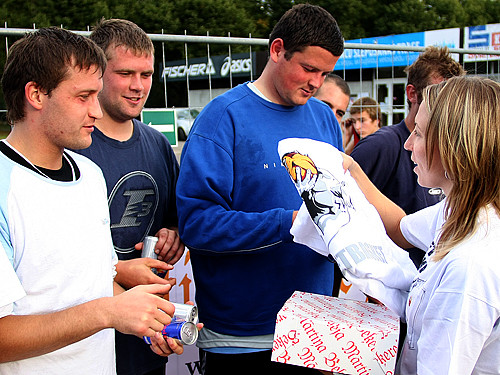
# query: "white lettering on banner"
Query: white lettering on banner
{"points": [[204, 69], [363, 53], [237, 66], [193, 70], [495, 39]]}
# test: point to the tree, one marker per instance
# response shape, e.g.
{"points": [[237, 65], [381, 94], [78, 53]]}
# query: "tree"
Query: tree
{"points": [[356, 18]]}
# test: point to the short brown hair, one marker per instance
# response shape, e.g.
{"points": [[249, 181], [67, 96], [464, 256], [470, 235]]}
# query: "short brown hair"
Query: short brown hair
{"points": [[433, 62], [339, 82], [307, 25], [43, 57], [369, 105], [118, 32]]}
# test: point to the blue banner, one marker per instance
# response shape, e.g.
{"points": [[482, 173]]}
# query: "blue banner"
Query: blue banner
{"points": [[359, 58]]}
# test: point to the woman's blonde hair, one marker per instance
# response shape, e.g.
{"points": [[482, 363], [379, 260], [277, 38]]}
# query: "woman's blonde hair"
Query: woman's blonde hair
{"points": [[464, 125]]}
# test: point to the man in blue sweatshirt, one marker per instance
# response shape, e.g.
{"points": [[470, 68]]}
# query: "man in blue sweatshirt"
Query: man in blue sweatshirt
{"points": [[236, 203]]}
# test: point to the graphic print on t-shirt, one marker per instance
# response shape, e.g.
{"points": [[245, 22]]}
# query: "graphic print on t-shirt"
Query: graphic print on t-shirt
{"points": [[132, 203], [325, 197], [427, 256]]}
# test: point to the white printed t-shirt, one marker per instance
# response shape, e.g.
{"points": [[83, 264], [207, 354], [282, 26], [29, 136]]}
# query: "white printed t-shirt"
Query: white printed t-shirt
{"points": [[453, 309], [56, 252]]}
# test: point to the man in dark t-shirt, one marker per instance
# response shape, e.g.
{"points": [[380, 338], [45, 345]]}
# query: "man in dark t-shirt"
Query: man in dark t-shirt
{"points": [[382, 155], [141, 171]]}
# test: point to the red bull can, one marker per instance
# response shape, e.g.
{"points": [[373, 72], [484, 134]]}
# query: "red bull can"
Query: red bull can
{"points": [[185, 332], [185, 313]]}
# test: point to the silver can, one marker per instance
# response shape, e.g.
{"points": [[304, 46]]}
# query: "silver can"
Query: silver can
{"points": [[185, 313], [148, 247], [148, 251]]}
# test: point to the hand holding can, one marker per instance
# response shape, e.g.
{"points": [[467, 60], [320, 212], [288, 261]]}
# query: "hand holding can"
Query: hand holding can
{"points": [[185, 332], [185, 313], [148, 251], [183, 324]]}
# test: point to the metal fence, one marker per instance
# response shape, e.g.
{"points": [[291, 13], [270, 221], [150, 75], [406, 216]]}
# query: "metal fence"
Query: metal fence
{"points": [[192, 81]]}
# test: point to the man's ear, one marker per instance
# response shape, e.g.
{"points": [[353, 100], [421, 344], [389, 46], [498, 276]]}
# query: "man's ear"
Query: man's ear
{"points": [[34, 95], [277, 49], [411, 94]]}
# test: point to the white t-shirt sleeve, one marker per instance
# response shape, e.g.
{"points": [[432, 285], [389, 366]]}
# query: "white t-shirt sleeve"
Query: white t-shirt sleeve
{"points": [[421, 228], [11, 289]]}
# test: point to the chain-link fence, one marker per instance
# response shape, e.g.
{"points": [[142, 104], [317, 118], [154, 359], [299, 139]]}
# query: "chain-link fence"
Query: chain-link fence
{"points": [[192, 70]]}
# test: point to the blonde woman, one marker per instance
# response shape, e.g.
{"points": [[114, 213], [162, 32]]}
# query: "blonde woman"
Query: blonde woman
{"points": [[453, 309]]}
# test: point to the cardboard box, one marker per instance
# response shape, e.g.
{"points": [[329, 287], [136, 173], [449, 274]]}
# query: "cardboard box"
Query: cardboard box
{"points": [[336, 335]]}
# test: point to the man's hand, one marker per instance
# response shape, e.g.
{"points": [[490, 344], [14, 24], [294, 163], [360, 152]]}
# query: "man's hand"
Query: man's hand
{"points": [[133, 272], [347, 162], [164, 346], [139, 311], [169, 247], [348, 135], [347, 127]]}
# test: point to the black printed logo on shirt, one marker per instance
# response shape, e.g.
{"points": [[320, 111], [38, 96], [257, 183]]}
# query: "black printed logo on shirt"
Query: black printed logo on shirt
{"points": [[427, 256]]}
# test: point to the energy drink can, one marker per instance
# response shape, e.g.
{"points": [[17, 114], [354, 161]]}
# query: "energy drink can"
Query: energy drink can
{"points": [[185, 332], [185, 313], [148, 251], [148, 247]]}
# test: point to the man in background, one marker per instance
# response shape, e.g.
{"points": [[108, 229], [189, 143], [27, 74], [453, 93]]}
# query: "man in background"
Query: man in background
{"points": [[141, 171], [335, 93], [382, 155]]}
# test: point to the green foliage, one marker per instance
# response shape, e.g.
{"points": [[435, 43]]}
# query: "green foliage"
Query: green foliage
{"points": [[370, 18], [218, 17], [43, 13], [357, 18], [215, 17]]}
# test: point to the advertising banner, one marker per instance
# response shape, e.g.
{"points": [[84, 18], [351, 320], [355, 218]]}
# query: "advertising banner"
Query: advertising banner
{"points": [[361, 58], [188, 363], [240, 64], [486, 38]]}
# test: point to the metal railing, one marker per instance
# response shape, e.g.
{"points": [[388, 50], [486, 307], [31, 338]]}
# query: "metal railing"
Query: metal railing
{"points": [[367, 81]]}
